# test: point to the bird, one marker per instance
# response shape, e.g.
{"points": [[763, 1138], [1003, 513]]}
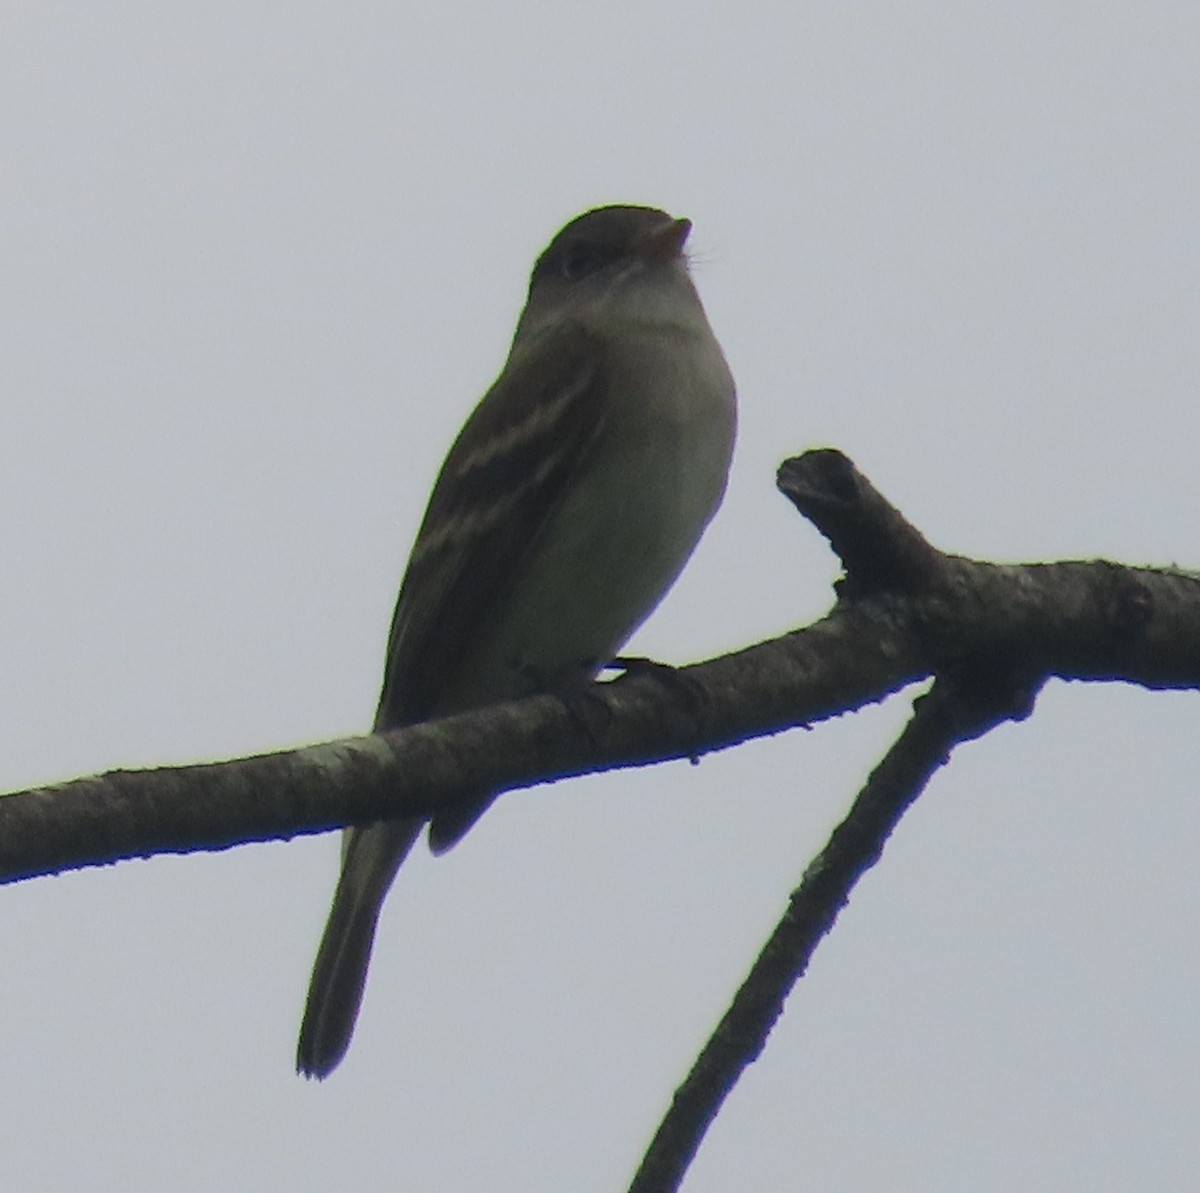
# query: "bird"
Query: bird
{"points": [[567, 506]]}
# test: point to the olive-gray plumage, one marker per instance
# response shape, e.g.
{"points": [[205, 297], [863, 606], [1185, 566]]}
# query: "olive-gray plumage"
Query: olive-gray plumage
{"points": [[566, 508]]}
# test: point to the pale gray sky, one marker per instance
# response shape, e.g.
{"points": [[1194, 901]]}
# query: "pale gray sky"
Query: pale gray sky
{"points": [[260, 259]]}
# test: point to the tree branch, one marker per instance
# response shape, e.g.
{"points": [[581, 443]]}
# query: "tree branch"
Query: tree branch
{"points": [[1078, 620], [951, 712], [905, 612], [803, 677], [989, 634]]}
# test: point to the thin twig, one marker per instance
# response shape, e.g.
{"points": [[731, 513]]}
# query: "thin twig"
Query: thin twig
{"points": [[951, 712]]}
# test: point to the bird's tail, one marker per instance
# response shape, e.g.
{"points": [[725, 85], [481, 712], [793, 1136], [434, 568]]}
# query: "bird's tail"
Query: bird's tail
{"points": [[370, 859]]}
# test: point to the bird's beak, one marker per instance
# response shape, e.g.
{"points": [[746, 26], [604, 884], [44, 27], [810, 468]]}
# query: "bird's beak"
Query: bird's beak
{"points": [[665, 243]]}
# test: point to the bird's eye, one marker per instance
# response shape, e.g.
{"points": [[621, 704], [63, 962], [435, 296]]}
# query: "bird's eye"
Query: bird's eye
{"points": [[580, 260]]}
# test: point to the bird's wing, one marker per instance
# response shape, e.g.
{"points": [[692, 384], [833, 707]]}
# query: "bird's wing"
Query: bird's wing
{"points": [[529, 436]]}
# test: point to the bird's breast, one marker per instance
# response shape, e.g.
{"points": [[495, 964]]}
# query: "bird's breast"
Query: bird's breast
{"points": [[627, 522]]}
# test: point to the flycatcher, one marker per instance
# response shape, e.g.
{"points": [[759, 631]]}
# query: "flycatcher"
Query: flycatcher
{"points": [[565, 510]]}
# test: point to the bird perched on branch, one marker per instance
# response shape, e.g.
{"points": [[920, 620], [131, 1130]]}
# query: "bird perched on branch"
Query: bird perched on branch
{"points": [[568, 505]]}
